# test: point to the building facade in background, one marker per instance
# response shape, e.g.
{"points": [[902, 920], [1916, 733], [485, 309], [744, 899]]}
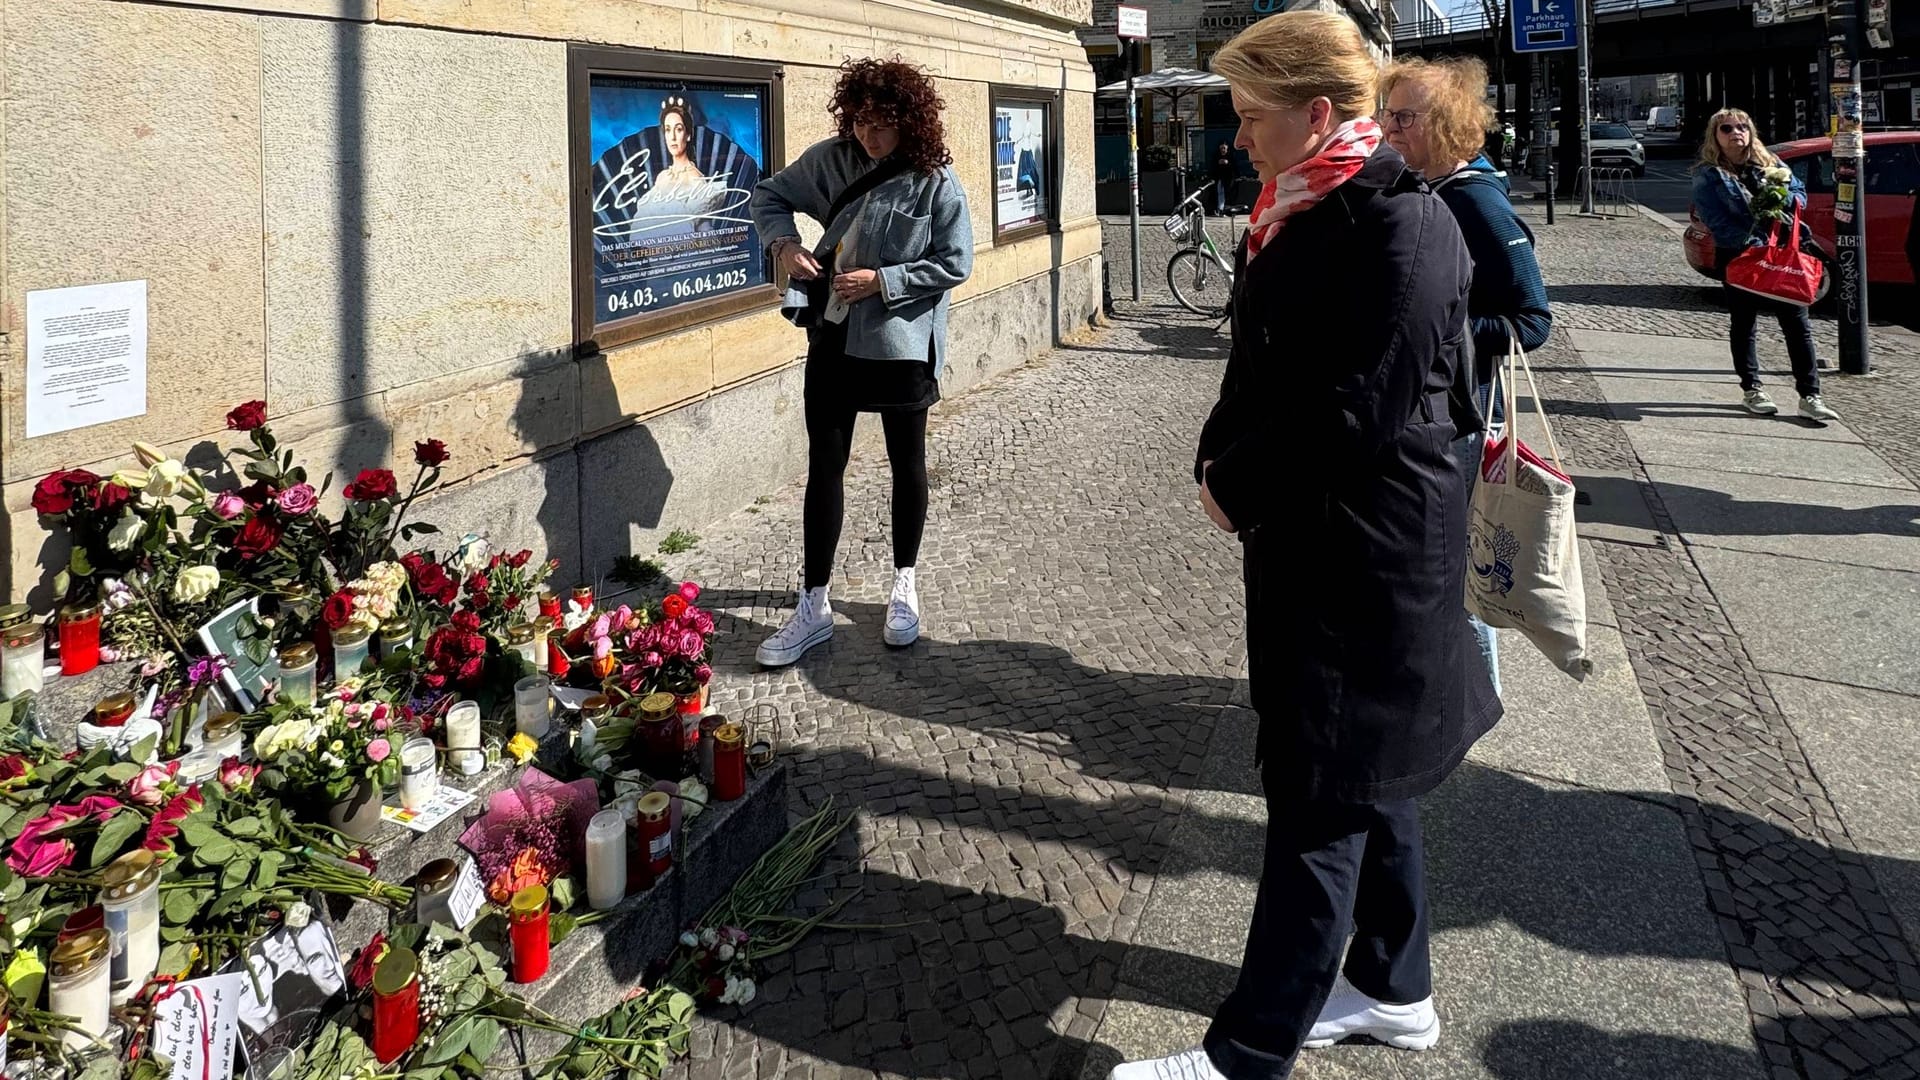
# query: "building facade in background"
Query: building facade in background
{"points": [[517, 227]]}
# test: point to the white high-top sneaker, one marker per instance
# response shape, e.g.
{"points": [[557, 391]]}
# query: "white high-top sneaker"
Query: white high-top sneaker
{"points": [[1348, 1012], [903, 610], [810, 624], [1191, 1064]]}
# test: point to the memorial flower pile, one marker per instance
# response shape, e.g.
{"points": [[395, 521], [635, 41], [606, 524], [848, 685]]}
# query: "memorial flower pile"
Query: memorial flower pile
{"points": [[332, 748]]}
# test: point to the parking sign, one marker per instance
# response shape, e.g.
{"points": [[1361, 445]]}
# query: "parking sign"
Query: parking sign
{"points": [[1132, 22], [1544, 26]]}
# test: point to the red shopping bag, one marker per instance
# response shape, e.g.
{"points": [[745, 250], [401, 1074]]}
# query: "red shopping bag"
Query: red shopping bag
{"points": [[1778, 273]]}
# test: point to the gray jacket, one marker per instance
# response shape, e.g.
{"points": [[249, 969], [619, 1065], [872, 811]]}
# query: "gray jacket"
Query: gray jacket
{"points": [[913, 228]]}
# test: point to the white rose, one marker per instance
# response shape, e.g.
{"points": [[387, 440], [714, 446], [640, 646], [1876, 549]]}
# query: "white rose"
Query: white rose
{"points": [[747, 990], [126, 531], [299, 915], [165, 478], [196, 583], [725, 953], [365, 620], [278, 738]]}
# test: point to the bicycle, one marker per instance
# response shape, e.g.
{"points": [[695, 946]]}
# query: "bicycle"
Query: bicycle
{"points": [[1201, 278]]}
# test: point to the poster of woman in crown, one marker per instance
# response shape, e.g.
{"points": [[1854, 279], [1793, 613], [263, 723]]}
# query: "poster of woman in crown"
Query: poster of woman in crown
{"points": [[674, 163]]}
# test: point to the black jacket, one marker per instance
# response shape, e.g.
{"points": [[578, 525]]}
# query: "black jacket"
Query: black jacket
{"points": [[1331, 453]]}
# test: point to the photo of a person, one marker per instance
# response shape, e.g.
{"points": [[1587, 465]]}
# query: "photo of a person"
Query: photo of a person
{"points": [[299, 973], [676, 132]]}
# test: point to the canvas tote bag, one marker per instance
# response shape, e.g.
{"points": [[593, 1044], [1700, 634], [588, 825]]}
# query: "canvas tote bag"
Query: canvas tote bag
{"points": [[1523, 554]]}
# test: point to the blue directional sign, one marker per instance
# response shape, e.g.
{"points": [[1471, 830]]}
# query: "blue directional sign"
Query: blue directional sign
{"points": [[1544, 25]]}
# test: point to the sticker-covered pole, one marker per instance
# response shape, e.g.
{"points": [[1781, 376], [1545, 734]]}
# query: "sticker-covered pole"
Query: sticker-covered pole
{"points": [[1849, 210]]}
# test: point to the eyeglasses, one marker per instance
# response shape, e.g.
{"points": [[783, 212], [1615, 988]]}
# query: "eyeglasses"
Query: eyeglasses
{"points": [[1402, 118], [1728, 129]]}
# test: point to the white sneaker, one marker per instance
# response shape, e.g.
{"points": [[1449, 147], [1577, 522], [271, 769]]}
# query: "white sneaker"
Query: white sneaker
{"points": [[1758, 403], [1813, 408], [1191, 1064], [810, 624], [1348, 1012], [903, 610]]}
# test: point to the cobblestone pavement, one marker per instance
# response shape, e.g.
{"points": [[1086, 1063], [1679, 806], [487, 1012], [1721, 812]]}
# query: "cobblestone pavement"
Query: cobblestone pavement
{"points": [[1830, 980], [1017, 773]]}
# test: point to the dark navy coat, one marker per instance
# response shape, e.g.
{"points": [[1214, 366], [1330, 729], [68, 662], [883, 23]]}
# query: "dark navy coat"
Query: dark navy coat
{"points": [[1331, 451]]}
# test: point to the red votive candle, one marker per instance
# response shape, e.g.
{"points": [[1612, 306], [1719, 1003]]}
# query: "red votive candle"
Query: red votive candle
{"points": [[79, 638], [396, 1004], [729, 762], [527, 929]]}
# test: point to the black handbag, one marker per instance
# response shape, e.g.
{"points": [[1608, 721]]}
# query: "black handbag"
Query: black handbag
{"points": [[820, 289]]}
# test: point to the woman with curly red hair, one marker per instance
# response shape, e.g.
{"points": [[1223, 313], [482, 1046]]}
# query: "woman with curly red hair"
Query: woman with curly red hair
{"points": [[873, 296]]}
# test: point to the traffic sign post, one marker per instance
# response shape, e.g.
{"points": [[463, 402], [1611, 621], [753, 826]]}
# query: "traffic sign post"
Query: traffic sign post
{"points": [[1130, 25], [1544, 25]]}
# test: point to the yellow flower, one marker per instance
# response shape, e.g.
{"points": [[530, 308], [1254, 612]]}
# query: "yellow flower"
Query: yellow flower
{"points": [[522, 747]]}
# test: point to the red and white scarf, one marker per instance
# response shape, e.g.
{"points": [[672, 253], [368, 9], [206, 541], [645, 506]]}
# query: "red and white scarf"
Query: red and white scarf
{"points": [[1338, 159]]}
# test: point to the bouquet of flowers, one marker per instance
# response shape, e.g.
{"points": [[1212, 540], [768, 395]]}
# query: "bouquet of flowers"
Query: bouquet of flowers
{"points": [[1774, 200], [332, 747]]}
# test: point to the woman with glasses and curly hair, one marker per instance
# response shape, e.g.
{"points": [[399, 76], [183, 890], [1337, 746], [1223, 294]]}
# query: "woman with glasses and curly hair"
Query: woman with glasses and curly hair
{"points": [[873, 294], [1734, 168]]}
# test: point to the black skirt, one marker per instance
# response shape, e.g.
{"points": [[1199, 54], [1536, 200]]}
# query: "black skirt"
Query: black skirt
{"points": [[862, 383]]}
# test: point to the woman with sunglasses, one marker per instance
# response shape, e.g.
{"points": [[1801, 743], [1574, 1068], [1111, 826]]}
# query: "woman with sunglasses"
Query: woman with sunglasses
{"points": [[1732, 170]]}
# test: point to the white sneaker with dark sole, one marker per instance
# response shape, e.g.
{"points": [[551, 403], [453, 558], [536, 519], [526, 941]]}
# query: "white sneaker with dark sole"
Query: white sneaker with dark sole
{"points": [[1348, 1012], [903, 610], [810, 624]]}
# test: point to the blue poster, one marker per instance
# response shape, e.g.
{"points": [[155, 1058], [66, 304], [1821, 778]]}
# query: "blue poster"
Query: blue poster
{"points": [[674, 165]]}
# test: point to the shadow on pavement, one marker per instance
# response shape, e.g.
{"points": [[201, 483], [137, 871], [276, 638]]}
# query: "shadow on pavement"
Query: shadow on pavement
{"points": [[1568, 1050], [1715, 513]]}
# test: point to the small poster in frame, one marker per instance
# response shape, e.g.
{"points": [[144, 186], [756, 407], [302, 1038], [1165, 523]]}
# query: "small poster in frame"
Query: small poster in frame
{"points": [[244, 679]]}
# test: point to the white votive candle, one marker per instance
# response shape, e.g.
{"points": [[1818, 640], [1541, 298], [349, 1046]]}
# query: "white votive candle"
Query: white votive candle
{"points": [[533, 706], [463, 738], [80, 985], [130, 899], [23, 660], [606, 859], [419, 773]]}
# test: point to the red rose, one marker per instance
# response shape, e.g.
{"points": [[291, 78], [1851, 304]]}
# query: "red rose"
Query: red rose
{"points": [[111, 496], [13, 767], [479, 601], [434, 680], [259, 537], [360, 975], [259, 493], [50, 495], [470, 670], [370, 485], [431, 453], [520, 559], [337, 610], [246, 417], [478, 584], [674, 606], [466, 621], [494, 563], [438, 584]]}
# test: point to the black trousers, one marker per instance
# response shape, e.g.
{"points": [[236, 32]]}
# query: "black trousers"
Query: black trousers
{"points": [[829, 444], [1794, 325], [1330, 869]]}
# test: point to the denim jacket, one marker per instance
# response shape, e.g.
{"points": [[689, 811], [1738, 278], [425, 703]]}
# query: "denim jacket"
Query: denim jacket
{"points": [[913, 228], [1721, 201]]}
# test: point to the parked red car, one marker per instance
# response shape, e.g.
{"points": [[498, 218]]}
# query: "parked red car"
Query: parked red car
{"points": [[1893, 183]]}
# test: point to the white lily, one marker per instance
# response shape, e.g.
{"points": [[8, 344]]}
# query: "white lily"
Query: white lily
{"points": [[196, 583]]}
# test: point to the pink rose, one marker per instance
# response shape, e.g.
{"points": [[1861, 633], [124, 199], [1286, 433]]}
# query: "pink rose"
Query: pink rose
{"points": [[299, 499], [704, 674], [652, 660], [378, 749], [235, 776], [690, 592], [692, 644], [382, 724], [227, 506], [702, 621], [40, 858], [148, 788]]}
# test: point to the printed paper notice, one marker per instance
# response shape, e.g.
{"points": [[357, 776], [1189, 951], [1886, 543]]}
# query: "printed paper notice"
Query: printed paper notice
{"points": [[446, 802], [86, 356], [468, 895], [196, 1025]]}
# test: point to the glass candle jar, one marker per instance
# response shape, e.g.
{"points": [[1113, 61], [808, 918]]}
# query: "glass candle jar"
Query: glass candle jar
{"points": [[91, 917], [223, 736], [542, 628], [533, 706], [463, 738], [520, 640], [299, 663], [23, 660], [396, 635], [527, 930], [549, 604], [690, 706], [432, 888], [729, 762], [79, 638], [583, 597], [351, 645], [396, 1004], [659, 730], [419, 772], [200, 766], [606, 860], [655, 826], [80, 985], [130, 897], [759, 754], [114, 710], [12, 615]]}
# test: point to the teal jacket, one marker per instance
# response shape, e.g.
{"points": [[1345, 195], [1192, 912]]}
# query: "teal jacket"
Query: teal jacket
{"points": [[913, 228]]}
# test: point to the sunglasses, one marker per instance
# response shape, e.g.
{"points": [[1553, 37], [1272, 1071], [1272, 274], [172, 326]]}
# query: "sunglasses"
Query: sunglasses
{"points": [[1728, 129]]}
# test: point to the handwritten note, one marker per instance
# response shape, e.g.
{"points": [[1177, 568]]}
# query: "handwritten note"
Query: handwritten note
{"points": [[196, 1025], [468, 895]]}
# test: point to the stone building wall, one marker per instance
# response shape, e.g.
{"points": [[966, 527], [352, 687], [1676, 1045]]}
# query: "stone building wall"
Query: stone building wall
{"points": [[359, 210]]}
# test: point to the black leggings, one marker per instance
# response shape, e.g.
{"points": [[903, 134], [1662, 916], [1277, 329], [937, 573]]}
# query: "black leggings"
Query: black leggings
{"points": [[829, 444]]}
